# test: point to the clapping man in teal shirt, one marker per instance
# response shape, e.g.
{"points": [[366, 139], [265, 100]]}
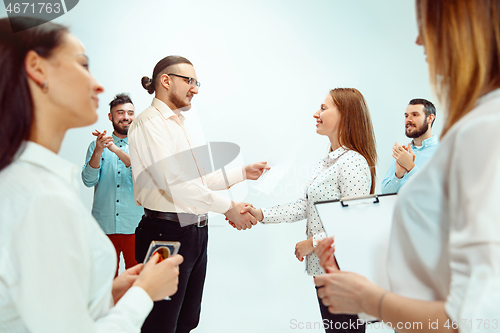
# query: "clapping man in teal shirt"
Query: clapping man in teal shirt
{"points": [[107, 169], [419, 118]]}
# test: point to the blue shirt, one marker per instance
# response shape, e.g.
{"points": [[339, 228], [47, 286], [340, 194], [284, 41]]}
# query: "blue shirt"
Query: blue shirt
{"points": [[114, 205], [391, 183]]}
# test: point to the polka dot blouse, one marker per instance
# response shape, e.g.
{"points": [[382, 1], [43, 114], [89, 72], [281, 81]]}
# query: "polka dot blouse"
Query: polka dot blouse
{"points": [[342, 173]]}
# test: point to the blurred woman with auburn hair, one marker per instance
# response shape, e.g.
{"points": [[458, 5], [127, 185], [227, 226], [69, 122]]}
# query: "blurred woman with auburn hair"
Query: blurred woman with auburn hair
{"points": [[444, 255], [347, 170]]}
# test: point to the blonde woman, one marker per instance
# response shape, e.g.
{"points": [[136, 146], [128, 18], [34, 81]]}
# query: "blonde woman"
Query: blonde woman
{"points": [[444, 256]]}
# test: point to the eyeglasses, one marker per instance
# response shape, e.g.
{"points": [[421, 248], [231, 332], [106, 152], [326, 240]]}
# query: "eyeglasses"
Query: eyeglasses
{"points": [[191, 81]]}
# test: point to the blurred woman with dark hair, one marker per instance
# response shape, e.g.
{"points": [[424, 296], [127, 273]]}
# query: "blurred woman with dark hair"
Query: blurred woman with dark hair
{"points": [[348, 170], [56, 264], [444, 255]]}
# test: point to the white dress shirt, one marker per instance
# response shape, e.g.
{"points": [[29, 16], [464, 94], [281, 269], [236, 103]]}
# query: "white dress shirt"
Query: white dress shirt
{"points": [[342, 173], [445, 241], [56, 264], [169, 176]]}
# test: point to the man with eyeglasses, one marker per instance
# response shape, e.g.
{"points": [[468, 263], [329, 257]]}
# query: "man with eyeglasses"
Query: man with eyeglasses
{"points": [[174, 183]]}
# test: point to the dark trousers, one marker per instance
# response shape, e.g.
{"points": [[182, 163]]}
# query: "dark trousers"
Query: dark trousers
{"points": [[181, 313], [339, 323]]}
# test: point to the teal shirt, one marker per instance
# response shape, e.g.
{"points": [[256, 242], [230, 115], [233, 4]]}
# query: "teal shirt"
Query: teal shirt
{"points": [[391, 183], [114, 205]]}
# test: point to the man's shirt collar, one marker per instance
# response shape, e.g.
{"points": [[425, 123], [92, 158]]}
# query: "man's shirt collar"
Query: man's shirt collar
{"points": [[117, 139], [165, 110], [432, 141]]}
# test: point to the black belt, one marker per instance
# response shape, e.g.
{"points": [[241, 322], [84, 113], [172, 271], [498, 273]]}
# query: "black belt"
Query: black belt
{"points": [[182, 218]]}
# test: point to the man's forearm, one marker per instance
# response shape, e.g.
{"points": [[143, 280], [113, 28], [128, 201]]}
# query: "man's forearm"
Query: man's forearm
{"points": [[95, 160], [400, 175], [410, 166], [123, 156]]}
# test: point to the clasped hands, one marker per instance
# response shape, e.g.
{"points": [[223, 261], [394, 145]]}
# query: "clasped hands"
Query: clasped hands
{"points": [[404, 159], [243, 215], [102, 141]]}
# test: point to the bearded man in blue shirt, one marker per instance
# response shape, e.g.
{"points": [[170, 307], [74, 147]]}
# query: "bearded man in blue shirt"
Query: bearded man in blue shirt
{"points": [[107, 169], [419, 118]]}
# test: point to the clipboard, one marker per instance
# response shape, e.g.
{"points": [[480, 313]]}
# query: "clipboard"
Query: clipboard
{"points": [[361, 227]]}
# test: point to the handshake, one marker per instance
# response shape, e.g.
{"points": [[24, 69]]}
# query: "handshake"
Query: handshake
{"points": [[243, 216]]}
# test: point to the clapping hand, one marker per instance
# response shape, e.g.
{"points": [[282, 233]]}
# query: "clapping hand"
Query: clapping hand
{"points": [[102, 141], [404, 159], [400, 171]]}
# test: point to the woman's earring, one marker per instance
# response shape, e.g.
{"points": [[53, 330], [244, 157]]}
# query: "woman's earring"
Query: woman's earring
{"points": [[44, 86]]}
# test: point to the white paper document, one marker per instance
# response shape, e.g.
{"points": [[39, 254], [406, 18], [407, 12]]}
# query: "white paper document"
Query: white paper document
{"points": [[361, 229]]}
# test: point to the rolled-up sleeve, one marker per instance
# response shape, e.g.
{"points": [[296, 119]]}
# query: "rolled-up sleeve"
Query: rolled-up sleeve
{"points": [[90, 176], [391, 183], [216, 181]]}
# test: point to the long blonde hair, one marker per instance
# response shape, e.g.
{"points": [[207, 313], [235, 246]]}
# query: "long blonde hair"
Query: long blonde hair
{"points": [[355, 127], [462, 42]]}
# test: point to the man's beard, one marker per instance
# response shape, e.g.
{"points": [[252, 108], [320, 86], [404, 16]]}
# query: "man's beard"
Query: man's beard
{"points": [[419, 130], [121, 131], [179, 104]]}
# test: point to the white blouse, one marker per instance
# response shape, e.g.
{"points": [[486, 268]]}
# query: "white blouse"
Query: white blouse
{"points": [[342, 173], [445, 242], [56, 264]]}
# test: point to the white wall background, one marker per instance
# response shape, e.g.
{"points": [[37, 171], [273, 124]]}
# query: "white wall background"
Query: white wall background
{"points": [[265, 68]]}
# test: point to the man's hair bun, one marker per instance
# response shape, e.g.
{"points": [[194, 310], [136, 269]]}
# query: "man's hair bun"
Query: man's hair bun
{"points": [[147, 83]]}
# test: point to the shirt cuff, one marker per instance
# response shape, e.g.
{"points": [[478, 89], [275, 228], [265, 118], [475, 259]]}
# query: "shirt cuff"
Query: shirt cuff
{"points": [[267, 213], [138, 303], [90, 171], [318, 237], [412, 171], [221, 204], [235, 175]]}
